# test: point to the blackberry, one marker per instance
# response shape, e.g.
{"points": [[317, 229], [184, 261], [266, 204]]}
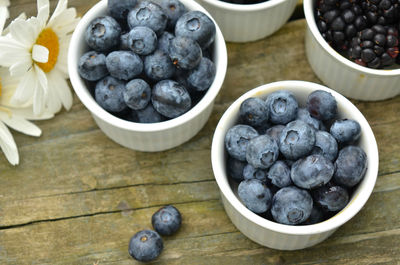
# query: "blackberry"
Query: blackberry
{"points": [[375, 47], [382, 12], [339, 21]]}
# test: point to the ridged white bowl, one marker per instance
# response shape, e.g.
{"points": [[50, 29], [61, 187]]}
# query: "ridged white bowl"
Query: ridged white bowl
{"points": [[280, 236], [146, 137], [339, 73], [243, 23]]}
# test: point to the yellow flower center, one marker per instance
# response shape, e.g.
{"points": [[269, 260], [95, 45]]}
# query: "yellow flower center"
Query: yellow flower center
{"points": [[49, 39]]}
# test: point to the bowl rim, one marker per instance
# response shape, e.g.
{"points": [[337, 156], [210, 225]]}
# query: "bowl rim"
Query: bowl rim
{"points": [[89, 102], [308, 6], [351, 209], [244, 8]]}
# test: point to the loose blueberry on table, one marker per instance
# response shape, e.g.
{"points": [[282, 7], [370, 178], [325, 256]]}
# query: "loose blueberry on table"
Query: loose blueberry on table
{"points": [[366, 32], [167, 220], [146, 245], [145, 60], [303, 168]]}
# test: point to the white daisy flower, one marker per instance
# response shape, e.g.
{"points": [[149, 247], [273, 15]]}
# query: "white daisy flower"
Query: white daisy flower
{"points": [[3, 13], [15, 117], [35, 50]]}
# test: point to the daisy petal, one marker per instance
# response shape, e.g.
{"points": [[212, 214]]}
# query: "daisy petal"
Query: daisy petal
{"points": [[21, 66], [64, 92], [3, 16], [38, 100], [21, 31], [21, 125], [25, 88], [42, 78], [53, 102], [61, 6], [40, 53], [43, 7], [8, 145]]}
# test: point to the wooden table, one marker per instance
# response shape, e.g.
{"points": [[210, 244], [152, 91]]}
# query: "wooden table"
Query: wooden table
{"points": [[77, 197]]}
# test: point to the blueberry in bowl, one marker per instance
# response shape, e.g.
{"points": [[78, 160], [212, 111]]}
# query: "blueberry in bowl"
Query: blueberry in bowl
{"points": [[316, 182], [136, 40]]}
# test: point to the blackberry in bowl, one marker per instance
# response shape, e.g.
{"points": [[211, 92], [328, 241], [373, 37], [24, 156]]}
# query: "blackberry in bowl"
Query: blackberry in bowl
{"points": [[132, 115], [249, 20], [312, 198], [352, 46]]}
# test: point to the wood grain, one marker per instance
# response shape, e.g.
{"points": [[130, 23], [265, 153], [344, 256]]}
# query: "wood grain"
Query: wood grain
{"points": [[77, 197]]}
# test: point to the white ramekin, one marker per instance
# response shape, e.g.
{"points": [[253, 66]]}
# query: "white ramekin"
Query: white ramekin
{"points": [[146, 137], [339, 73], [275, 235], [243, 23]]}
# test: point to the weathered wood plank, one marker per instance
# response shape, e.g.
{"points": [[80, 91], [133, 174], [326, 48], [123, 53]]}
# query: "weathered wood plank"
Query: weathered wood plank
{"points": [[105, 238]]}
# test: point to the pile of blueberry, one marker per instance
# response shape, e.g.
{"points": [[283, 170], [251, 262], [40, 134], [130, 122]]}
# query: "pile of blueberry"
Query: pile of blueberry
{"points": [[149, 62], [244, 2], [367, 31], [295, 165], [147, 245]]}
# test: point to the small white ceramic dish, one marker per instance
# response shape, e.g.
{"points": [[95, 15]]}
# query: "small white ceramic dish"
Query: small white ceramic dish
{"points": [[146, 137], [244, 23], [272, 234], [339, 73]]}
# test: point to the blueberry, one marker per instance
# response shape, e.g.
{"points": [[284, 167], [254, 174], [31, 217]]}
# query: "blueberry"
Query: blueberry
{"points": [[198, 26], [119, 9], [275, 132], [237, 139], [137, 94], [148, 14], [174, 10], [326, 145], [346, 131], [291, 205], [297, 140], [331, 197], [145, 245], [282, 107], [142, 40], [250, 172], [170, 98], [124, 42], [124, 65], [103, 34], [235, 168], [262, 151], [279, 174], [322, 105], [158, 66], [317, 215], [304, 115], [149, 115], [312, 172], [167, 220], [254, 112], [202, 76], [350, 165], [164, 41], [109, 94], [255, 195], [92, 66], [185, 53]]}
